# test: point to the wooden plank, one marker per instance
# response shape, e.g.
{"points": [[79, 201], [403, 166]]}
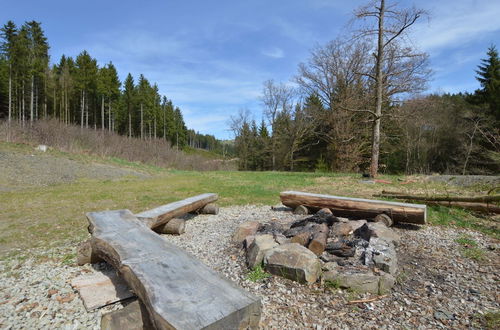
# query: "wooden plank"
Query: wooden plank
{"points": [[357, 207], [101, 289], [162, 214], [178, 290]]}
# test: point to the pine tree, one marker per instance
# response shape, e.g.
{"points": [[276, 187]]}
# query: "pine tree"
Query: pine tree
{"points": [[488, 75], [129, 99], [9, 34]]}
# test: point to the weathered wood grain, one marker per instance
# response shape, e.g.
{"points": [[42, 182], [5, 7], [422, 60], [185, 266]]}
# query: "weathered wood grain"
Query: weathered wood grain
{"points": [[162, 214], [179, 291], [357, 207]]}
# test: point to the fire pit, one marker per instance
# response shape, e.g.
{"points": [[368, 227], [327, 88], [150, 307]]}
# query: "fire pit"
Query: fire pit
{"points": [[355, 254]]}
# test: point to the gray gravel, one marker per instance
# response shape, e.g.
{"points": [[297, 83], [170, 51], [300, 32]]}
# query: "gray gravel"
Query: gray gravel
{"points": [[438, 286], [42, 169]]}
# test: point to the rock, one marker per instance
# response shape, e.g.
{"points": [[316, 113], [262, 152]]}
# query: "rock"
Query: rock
{"points": [[384, 255], [358, 281], [329, 276], [330, 266], [281, 239], [386, 282], [443, 314], [301, 210], [84, 254], [245, 229], [377, 230], [134, 316], [293, 261], [248, 241], [325, 211], [341, 229], [258, 248], [301, 238]]}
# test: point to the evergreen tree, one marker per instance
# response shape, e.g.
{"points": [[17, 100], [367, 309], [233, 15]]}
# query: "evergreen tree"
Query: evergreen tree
{"points": [[488, 75]]}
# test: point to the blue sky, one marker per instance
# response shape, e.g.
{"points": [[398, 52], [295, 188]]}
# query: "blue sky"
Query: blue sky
{"points": [[211, 57]]}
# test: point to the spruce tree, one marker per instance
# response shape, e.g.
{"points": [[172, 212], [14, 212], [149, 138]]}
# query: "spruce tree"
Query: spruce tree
{"points": [[488, 75]]}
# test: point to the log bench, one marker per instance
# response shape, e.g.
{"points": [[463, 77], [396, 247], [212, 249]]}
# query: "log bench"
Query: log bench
{"points": [[178, 291], [357, 207]]}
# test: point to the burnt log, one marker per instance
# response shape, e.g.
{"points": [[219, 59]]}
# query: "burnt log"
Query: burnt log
{"points": [[177, 290], [319, 239], [357, 208]]}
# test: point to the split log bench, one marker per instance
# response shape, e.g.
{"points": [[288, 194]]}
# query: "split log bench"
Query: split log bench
{"points": [[178, 291], [357, 207], [158, 219]]}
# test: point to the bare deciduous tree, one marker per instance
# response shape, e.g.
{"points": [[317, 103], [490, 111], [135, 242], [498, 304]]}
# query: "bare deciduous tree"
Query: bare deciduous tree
{"points": [[276, 98], [397, 68]]}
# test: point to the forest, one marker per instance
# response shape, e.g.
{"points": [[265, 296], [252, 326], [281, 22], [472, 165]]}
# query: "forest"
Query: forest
{"points": [[77, 91], [360, 104]]}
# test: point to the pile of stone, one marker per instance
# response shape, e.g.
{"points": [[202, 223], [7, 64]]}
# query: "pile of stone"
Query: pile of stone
{"points": [[355, 254]]}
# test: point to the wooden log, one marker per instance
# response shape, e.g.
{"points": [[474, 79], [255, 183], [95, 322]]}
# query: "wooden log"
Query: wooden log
{"points": [[84, 254], [209, 209], [357, 207], [178, 290], [175, 226], [162, 214], [475, 199], [302, 238], [479, 207], [319, 239]]}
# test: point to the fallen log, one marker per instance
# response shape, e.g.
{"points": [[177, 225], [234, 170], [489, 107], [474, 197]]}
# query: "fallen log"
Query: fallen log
{"points": [[177, 290], [162, 214], [475, 199], [358, 208]]}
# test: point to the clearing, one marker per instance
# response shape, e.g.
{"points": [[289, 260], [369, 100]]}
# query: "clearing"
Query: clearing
{"points": [[450, 269]]}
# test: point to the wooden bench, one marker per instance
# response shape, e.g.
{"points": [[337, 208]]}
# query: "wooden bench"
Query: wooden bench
{"points": [[178, 291]]}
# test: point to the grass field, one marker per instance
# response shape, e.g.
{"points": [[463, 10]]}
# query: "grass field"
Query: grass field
{"points": [[45, 216]]}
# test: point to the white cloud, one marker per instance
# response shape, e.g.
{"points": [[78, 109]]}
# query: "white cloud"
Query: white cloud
{"points": [[455, 24], [273, 52]]}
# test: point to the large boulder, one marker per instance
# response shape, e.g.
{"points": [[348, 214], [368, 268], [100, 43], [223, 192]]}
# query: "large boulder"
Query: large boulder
{"points": [[260, 245], [293, 261], [245, 229]]}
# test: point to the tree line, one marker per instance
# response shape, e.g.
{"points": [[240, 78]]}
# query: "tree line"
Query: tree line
{"points": [[356, 105], [78, 91]]}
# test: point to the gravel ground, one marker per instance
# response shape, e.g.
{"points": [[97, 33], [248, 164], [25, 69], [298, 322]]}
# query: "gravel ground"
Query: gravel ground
{"points": [[39, 169], [437, 288]]}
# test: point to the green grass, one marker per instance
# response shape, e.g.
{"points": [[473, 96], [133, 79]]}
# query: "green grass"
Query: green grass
{"points": [[257, 274], [489, 320], [332, 284], [50, 216]]}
